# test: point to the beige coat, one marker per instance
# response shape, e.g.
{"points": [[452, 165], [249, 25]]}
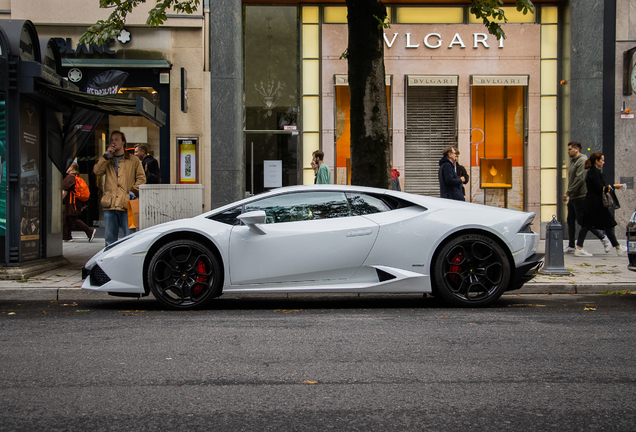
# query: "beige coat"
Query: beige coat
{"points": [[131, 175]]}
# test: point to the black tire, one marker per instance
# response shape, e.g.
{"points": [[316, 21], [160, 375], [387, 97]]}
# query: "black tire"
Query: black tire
{"points": [[471, 270], [184, 274]]}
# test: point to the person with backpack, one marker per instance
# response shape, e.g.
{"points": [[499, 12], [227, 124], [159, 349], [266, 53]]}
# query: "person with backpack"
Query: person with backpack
{"points": [[75, 194]]}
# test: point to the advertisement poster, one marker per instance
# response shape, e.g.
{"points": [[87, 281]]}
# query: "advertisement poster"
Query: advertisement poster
{"points": [[187, 160], [29, 181], [273, 172]]}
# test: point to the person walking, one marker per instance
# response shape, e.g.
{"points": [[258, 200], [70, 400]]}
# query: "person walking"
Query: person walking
{"points": [[575, 197], [73, 207], [124, 173], [595, 214], [450, 184], [462, 173], [324, 173]]}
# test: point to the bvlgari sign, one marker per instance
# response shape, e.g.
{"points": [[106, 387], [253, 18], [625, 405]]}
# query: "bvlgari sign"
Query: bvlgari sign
{"points": [[432, 80], [499, 80]]}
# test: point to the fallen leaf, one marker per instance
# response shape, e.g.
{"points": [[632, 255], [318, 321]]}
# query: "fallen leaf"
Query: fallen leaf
{"points": [[442, 316], [82, 310], [287, 310], [43, 312], [59, 275], [11, 313], [310, 382], [472, 323], [590, 309]]}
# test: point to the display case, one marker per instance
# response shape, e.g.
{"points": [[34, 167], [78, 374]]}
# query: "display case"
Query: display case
{"points": [[495, 173]]}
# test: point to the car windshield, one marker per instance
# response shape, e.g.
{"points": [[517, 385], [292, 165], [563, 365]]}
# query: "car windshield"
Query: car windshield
{"points": [[295, 207]]}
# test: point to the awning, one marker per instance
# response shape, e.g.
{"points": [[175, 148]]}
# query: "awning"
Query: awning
{"points": [[105, 104], [115, 63]]}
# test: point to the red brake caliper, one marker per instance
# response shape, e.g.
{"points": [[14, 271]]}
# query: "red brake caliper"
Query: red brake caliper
{"points": [[198, 288], [453, 269]]}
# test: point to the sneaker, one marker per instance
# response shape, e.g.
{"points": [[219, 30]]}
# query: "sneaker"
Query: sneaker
{"points": [[90, 239], [569, 249], [620, 251], [68, 241], [582, 253], [606, 244]]}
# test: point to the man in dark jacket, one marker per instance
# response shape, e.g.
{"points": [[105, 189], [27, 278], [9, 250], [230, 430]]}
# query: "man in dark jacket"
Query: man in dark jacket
{"points": [[450, 184]]}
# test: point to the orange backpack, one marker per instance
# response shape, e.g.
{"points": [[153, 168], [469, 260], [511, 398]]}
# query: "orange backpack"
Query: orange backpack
{"points": [[81, 190]]}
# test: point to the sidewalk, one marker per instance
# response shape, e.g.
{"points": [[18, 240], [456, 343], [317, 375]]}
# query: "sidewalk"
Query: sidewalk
{"points": [[600, 272]]}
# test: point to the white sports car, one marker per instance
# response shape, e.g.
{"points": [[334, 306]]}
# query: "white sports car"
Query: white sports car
{"points": [[325, 238]]}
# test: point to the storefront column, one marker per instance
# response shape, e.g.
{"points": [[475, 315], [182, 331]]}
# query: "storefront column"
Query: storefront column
{"points": [[226, 86]]}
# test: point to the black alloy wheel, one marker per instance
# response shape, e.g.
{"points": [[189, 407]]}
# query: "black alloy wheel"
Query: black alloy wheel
{"points": [[184, 274], [471, 270]]}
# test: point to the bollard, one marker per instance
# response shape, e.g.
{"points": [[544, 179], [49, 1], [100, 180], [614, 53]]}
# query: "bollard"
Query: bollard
{"points": [[631, 242], [553, 264]]}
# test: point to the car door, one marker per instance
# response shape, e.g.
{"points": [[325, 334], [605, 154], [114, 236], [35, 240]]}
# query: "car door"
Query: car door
{"points": [[308, 236]]}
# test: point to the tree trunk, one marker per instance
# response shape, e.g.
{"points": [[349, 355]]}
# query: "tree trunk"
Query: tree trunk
{"points": [[369, 114]]}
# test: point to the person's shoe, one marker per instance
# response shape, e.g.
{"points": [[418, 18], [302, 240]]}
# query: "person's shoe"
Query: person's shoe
{"points": [[582, 253], [90, 239], [606, 244], [569, 249], [620, 251], [68, 241]]}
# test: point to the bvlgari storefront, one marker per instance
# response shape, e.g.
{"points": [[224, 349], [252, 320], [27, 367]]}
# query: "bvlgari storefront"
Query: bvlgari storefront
{"points": [[449, 82]]}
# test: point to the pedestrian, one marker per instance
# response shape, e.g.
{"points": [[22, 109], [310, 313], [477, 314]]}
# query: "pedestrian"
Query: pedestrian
{"points": [[395, 179], [324, 173], [153, 175], [450, 183], [141, 151], [575, 197], [73, 206], [462, 173], [124, 173], [595, 215]]}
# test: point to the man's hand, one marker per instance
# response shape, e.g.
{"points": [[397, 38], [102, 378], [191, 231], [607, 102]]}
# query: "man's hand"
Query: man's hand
{"points": [[565, 197]]}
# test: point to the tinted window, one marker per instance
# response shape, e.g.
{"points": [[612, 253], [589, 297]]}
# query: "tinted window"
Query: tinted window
{"points": [[302, 206], [363, 204], [228, 216]]}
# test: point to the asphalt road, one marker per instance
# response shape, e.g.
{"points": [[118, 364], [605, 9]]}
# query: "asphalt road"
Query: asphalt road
{"points": [[395, 363]]}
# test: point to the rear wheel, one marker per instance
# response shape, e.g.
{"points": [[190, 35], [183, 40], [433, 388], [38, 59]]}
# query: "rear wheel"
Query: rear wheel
{"points": [[184, 274], [471, 270]]}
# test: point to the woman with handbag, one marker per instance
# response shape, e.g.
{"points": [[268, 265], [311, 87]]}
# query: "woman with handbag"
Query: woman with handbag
{"points": [[596, 214]]}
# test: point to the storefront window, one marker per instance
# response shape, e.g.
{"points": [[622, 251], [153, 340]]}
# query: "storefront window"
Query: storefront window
{"points": [[271, 94], [497, 146]]}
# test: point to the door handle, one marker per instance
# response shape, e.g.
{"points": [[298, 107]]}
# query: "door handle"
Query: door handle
{"points": [[360, 232]]}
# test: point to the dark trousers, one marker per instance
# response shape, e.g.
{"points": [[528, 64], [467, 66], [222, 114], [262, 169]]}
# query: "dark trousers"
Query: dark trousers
{"points": [[73, 221], [575, 214], [609, 232]]}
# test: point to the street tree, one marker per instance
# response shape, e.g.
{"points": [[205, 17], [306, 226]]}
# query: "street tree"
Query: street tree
{"points": [[367, 20]]}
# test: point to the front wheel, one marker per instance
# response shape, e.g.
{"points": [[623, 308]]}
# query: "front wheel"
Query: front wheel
{"points": [[184, 274], [471, 270]]}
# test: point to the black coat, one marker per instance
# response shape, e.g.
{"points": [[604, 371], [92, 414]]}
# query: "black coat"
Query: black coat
{"points": [[595, 215], [450, 185]]}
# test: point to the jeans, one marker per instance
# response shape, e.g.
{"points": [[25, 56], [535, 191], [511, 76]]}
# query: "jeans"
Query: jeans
{"points": [[575, 214], [113, 219]]}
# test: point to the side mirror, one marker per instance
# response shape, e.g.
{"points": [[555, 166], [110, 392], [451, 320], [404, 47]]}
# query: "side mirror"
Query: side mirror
{"points": [[252, 219]]}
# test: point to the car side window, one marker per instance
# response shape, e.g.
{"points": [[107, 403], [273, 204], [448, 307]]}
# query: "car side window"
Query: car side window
{"points": [[228, 216], [301, 206], [363, 204]]}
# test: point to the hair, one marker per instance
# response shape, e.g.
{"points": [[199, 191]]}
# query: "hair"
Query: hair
{"points": [[142, 146], [449, 149], [123, 136], [575, 144], [591, 161], [319, 154], [75, 167], [153, 168]]}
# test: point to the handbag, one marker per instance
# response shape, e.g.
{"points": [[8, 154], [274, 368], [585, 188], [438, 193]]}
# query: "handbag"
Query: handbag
{"points": [[133, 213], [609, 198]]}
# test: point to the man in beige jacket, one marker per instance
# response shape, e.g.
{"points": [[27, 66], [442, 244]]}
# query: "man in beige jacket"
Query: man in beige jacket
{"points": [[123, 173]]}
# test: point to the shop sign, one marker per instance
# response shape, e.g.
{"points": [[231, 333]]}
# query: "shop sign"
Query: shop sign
{"points": [[433, 80], [499, 80], [66, 47], [435, 40], [343, 80]]}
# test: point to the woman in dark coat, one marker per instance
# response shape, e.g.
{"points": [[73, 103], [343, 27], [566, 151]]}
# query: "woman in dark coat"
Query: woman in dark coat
{"points": [[596, 215]]}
